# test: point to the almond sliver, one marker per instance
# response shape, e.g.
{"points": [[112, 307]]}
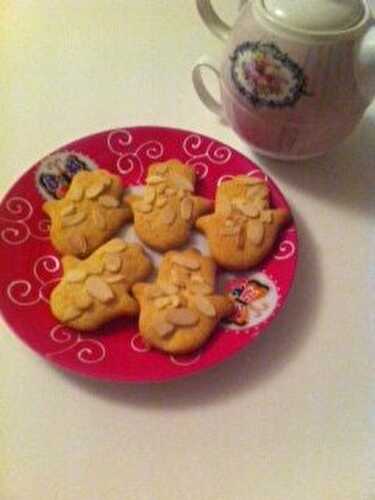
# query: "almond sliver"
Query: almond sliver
{"points": [[75, 276], [204, 306], [99, 289], [182, 317]]}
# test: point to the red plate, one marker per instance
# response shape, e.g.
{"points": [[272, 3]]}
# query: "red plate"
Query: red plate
{"points": [[30, 268]]}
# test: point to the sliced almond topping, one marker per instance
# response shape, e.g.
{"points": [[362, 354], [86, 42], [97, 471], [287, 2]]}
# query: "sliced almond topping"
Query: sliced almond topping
{"points": [[204, 306], [95, 190], [186, 208], [201, 288], [197, 278], [108, 201], [181, 194], [168, 215], [224, 207], [261, 203], [149, 195], [168, 288], [154, 179], [78, 243], [76, 193], [70, 313], [250, 210], [68, 209], [241, 238], [182, 317], [82, 300], [73, 220], [249, 180], [143, 207], [266, 216], [230, 231], [161, 188], [175, 301], [161, 201], [186, 261], [112, 262], [107, 181], [162, 168], [162, 302], [181, 182], [116, 245], [115, 278], [75, 275], [238, 203], [99, 220], [155, 292], [229, 223], [176, 278], [170, 191], [258, 191], [179, 276], [99, 289], [96, 266], [164, 329], [255, 232]]}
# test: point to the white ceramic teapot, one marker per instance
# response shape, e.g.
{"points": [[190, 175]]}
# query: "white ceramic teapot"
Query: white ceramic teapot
{"points": [[296, 76]]}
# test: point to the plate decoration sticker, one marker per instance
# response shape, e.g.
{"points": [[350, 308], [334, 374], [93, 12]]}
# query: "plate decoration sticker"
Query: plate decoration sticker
{"points": [[255, 298], [55, 173]]}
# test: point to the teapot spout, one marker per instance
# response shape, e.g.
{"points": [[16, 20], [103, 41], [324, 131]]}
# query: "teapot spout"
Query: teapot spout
{"points": [[366, 65]]}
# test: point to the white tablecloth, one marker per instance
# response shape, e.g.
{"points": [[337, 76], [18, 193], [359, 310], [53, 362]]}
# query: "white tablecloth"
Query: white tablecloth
{"points": [[291, 417]]}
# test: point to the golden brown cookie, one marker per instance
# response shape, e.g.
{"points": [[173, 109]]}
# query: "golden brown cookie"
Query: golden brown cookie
{"points": [[164, 216], [96, 290], [243, 229], [180, 311], [90, 213]]}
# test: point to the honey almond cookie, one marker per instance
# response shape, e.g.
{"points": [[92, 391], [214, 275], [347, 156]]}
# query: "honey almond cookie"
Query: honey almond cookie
{"points": [[95, 290], [180, 310], [165, 214], [243, 229], [90, 213]]}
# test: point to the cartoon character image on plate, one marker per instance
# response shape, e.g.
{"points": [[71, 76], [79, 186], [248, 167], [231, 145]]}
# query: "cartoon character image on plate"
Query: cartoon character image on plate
{"points": [[55, 173], [266, 76], [255, 298]]}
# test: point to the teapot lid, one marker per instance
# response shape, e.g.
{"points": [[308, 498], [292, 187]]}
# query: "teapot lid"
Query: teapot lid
{"points": [[316, 15]]}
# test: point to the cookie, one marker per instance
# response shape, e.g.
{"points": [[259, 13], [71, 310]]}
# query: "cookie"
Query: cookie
{"points": [[90, 213], [243, 229], [96, 290], [165, 214], [180, 310]]}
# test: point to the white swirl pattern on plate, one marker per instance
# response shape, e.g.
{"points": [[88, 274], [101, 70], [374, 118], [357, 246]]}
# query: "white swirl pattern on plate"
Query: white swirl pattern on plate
{"points": [[22, 293], [135, 347], [214, 153], [87, 350], [252, 173], [17, 230], [120, 141], [185, 362], [285, 251]]}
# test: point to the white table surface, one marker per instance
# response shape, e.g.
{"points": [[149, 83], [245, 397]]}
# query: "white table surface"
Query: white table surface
{"points": [[290, 418]]}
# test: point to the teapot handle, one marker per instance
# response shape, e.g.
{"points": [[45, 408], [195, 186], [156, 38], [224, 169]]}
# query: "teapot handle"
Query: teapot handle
{"points": [[211, 19], [200, 87]]}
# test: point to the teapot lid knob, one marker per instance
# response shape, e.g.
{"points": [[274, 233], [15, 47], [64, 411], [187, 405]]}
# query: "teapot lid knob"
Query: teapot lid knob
{"points": [[316, 15]]}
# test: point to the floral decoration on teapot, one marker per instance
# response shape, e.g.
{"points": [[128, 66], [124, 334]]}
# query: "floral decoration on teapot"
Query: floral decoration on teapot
{"points": [[266, 76]]}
